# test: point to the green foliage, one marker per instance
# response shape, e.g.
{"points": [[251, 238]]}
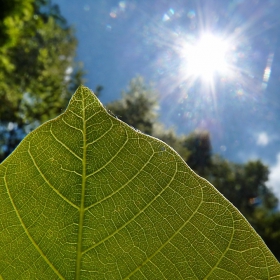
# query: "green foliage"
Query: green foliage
{"points": [[37, 72], [243, 184], [41, 64], [13, 15], [85, 196]]}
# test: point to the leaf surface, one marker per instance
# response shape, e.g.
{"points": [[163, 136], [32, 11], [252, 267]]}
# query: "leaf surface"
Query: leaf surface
{"points": [[85, 196]]}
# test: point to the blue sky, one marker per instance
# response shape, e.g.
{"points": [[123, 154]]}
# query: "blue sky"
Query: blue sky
{"points": [[239, 103]]}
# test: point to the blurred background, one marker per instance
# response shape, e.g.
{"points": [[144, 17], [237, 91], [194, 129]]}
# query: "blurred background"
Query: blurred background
{"points": [[201, 75]]}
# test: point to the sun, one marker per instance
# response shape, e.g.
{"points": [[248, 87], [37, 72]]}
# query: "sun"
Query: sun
{"points": [[206, 57]]}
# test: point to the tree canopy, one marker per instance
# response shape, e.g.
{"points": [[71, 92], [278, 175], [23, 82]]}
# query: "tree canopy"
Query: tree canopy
{"points": [[37, 67], [138, 106]]}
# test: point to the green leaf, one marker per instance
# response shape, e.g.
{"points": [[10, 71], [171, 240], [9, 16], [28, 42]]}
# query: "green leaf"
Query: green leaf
{"points": [[85, 196]]}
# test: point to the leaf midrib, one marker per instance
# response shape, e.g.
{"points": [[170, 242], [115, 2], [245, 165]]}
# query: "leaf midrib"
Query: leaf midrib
{"points": [[82, 207]]}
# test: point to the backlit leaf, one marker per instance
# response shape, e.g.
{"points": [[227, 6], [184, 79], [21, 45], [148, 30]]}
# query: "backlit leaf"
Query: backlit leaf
{"points": [[85, 196]]}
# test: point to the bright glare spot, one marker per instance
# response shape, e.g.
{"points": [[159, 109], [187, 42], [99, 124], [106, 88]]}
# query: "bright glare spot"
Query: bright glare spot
{"points": [[69, 70], [263, 139], [122, 4], [207, 57]]}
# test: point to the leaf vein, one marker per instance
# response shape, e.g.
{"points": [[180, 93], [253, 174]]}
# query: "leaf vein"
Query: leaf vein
{"points": [[71, 125], [94, 141], [28, 234], [168, 240], [140, 212], [111, 159], [128, 181], [223, 253], [49, 184], [62, 144]]}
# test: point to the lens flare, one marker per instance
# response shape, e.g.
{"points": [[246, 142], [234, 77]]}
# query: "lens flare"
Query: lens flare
{"points": [[206, 57]]}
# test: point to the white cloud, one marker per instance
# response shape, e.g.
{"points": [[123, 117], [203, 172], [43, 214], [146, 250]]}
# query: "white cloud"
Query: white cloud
{"points": [[263, 139], [274, 177]]}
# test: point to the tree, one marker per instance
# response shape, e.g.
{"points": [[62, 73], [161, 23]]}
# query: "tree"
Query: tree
{"points": [[243, 184], [199, 145], [13, 14], [138, 106], [39, 73]]}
